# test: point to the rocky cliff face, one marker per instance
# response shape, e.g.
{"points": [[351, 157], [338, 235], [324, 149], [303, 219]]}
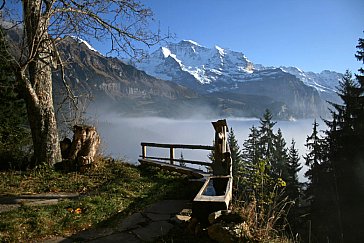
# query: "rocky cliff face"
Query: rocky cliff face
{"points": [[89, 71]]}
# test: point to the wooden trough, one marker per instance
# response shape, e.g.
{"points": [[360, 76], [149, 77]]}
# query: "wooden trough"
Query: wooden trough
{"points": [[216, 192]]}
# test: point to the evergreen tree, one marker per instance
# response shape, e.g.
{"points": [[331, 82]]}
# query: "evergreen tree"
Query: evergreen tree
{"points": [[346, 158], [360, 77], [251, 152], [320, 190], [336, 165], [315, 155], [279, 160], [235, 151], [181, 163], [266, 136], [14, 135], [251, 157], [293, 167], [360, 57]]}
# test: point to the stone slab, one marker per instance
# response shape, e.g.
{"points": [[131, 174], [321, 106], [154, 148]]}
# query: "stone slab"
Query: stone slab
{"points": [[119, 237], [158, 217], [90, 234], [134, 221], [153, 230], [167, 207]]}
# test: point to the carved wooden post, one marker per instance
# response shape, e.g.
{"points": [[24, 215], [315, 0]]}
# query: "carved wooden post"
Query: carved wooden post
{"points": [[221, 165]]}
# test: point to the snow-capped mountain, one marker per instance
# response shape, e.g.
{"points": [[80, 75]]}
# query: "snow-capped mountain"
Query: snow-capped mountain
{"points": [[79, 40], [223, 73], [207, 66], [325, 81], [213, 69]]}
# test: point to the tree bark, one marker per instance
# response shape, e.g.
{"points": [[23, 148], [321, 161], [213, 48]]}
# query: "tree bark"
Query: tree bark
{"points": [[36, 76], [85, 145]]}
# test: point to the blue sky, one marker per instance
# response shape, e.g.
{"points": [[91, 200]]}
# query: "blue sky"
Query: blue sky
{"points": [[313, 35]]}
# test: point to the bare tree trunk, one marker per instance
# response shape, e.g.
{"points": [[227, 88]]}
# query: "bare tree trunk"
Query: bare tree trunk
{"points": [[36, 77]]}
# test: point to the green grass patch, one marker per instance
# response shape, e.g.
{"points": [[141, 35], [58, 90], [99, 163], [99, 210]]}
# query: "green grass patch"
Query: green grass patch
{"points": [[108, 193]]}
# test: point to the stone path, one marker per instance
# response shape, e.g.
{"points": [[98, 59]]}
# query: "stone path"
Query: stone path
{"points": [[153, 222]]}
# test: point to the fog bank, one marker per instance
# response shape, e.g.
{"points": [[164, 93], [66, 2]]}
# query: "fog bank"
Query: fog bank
{"points": [[122, 136]]}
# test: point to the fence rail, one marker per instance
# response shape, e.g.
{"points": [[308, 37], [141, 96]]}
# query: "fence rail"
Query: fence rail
{"points": [[194, 162], [171, 148]]}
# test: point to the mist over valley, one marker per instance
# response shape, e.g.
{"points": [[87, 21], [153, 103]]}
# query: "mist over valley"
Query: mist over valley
{"points": [[122, 136]]}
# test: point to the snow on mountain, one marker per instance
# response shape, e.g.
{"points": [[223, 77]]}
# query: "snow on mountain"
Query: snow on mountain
{"points": [[206, 65], [217, 67], [79, 40], [326, 81]]}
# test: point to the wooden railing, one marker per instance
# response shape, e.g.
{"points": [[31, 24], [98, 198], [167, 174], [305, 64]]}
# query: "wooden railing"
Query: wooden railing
{"points": [[171, 148], [220, 179]]}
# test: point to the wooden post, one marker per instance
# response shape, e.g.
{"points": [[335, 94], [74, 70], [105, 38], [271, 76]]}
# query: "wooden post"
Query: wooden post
{"points": [[171, 155], [144, 151], [220, 165]]}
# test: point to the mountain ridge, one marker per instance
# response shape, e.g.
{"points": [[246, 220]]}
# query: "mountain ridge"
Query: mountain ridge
{"points": [[207, 65], [119, 87]]}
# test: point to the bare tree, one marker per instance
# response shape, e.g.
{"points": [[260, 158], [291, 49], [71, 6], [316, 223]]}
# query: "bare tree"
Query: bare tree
{"points": [[122, 23]]}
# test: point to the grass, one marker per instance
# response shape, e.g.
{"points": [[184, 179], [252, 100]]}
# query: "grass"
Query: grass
{"points": [[111, 191]]}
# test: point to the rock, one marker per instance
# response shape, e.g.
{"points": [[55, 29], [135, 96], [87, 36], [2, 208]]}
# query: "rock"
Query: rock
{"points": [[226, 216], [215, 215], [186, 212], [180, 219], [222, 233], [231, 217]]}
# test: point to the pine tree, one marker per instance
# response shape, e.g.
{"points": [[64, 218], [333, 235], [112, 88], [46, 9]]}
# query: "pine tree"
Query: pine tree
{"points": [[360, 57], [315, 156], [346, 158], [181, 163], [251, 157], [14, 135], [320, 189], [266, 136], [293, 167], [251, 152], [235, 151], [294, 189], [279, 160], [337, 164]]}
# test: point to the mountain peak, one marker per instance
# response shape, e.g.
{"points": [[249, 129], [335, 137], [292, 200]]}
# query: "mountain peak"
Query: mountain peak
{"points": [[220, 50], [166, 52], [190, 42], [216, 67], [81, 41]]}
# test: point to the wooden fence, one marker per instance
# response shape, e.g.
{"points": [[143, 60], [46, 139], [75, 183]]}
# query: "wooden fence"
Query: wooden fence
{"points": [[172, 148]]}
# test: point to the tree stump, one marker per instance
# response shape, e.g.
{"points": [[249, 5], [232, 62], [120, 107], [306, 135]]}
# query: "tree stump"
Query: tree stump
{"points": [[83, 149]]}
